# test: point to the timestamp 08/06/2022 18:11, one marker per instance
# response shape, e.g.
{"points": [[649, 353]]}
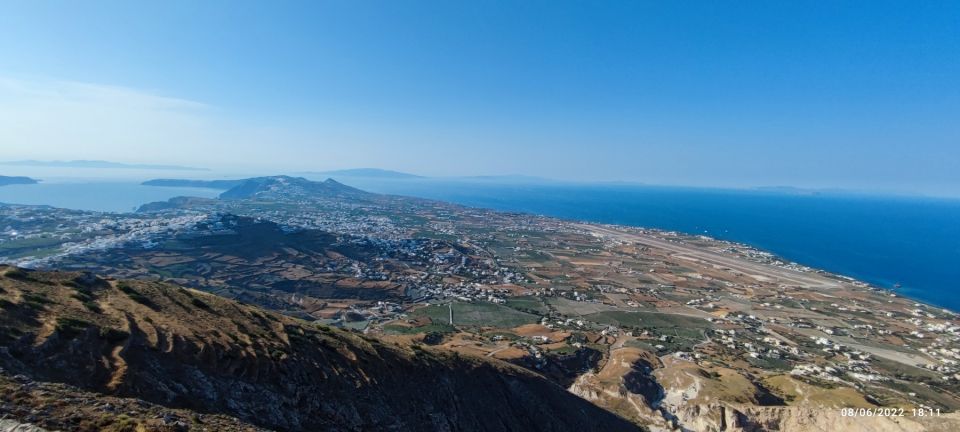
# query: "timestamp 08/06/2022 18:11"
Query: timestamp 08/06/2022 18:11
{"points": [[890, 412]]}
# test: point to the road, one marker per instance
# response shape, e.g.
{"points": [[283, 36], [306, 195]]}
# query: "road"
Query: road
{"points": [[756, 270]]}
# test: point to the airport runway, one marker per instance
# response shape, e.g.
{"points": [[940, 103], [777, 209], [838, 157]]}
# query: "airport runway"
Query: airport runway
{"points": [[757, 270]]}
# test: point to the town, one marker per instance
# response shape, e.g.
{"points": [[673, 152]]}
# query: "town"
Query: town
{"points": [[571, 301]]}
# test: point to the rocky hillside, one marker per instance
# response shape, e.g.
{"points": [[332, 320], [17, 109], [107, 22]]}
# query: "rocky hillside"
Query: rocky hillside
{"points": [[27, 405], [293, 271], [287, 188], [180, 349]]}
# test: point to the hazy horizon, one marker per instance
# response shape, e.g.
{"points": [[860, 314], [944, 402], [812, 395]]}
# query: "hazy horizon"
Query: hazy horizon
{"points": [[58, 174], [809, 95]]}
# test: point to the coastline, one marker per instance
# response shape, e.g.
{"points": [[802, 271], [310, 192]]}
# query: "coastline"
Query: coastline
{"points": [[788, 266], [875, 282]]}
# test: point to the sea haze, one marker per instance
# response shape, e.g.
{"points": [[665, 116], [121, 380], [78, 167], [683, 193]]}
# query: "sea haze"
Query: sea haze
{"points": [[882, 240], [107, 196]]}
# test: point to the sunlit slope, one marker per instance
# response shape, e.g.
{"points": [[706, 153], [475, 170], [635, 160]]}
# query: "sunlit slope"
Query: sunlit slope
{"points": [[186, 349]]}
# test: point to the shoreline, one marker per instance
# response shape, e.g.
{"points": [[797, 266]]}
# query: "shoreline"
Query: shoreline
{"points": [[852, 277], [823, 272]]}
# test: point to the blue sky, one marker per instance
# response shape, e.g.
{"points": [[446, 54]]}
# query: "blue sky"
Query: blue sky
{"points": [[862, 95]]}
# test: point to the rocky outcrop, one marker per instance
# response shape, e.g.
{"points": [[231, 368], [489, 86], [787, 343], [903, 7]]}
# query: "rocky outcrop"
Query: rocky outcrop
{"points": [[15, 426], [626, 386], [669, 394], [722, 417]]}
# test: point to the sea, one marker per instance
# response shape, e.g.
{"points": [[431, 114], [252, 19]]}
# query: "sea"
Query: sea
{"points": [[909, 244], [106, 190], [906, 243]]}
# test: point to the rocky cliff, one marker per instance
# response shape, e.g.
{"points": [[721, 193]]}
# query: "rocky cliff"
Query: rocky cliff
{"points": [[670, 394]]}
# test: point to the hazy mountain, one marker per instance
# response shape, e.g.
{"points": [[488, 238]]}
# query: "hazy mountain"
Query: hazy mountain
{"points": [[504, 179], [286, 187], [112, 342], [364, 172], [277, 188], [173, 203], [271, 185], [98, 164]]}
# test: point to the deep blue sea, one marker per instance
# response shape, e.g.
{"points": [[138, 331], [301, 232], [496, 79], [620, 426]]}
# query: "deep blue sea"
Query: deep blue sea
{"points": [[880, 240]]}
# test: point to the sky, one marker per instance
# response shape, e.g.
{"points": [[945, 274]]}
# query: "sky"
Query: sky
{"points": [[855, 95]]}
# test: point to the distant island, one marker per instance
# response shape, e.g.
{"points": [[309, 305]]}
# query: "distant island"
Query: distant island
{"points": [[364, 172], [8, 180], [230, 184], [98, 164], [383, 174], [285, 186]]}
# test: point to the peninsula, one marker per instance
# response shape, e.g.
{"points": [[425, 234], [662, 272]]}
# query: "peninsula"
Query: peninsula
{"points": [[13, 180]]}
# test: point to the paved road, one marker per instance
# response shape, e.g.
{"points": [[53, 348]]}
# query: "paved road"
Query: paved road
{"points": [[772, 273]]}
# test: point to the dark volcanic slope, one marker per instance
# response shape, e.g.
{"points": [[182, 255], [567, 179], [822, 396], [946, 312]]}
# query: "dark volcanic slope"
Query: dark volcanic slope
{"points": [[297, 271], [186, 349]]}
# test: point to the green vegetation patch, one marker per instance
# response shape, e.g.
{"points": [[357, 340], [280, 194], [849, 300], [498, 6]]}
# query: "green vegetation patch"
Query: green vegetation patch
{"points": [[768, 363], [573, 308], [429, 328], [356, 325], [564, 350], [480, 314], [647, 320], [682, 332], [136, 296], [633, 343], [70, 327], [529, 304], [35, 300], [902, 371]]}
